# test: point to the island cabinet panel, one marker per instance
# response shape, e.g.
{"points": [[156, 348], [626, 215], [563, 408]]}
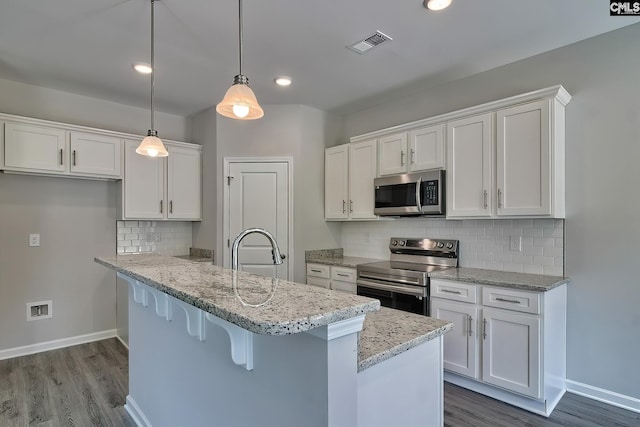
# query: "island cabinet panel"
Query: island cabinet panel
{"points": [[35, 148]]}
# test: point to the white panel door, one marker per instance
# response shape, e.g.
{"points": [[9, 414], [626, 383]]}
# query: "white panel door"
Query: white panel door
{"points": [[96, 155], [143, 185], [460, 344], [259, 197], [511, 351], [426, 148], [36, 148], [336, 176], [469, 166], [392, 154], [524, 160], [362, 172], [184, 183]]}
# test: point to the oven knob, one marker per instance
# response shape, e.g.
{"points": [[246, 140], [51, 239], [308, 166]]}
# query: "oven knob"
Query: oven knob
{"points": [[440, 245], [394, 243], [449, 245], [401, 242]]}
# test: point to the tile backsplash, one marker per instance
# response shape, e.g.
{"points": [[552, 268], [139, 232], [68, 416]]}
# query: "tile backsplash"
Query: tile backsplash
{"points": [[483, 243], [167, 237]]}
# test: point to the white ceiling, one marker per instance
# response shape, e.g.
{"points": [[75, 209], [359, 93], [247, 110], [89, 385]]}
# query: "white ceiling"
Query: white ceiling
{"points": [[87, 47]]}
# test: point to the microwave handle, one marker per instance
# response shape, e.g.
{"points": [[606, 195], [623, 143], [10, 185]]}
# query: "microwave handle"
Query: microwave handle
{"points": [[418, 194]]}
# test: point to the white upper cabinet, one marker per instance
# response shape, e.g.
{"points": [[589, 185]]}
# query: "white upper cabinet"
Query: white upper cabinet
{"points": [[184, 183], [393, 154], [93, 154], [524, 179], [362, 172], [469, 166], [426, 148], [163, 188], [336, 184], [417, 150], [349, 173], [31, 148]]}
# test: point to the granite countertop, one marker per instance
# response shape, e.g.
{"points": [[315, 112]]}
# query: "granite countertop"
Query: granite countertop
{"points": [[335, 257], [271, 306], [387, 333], [505, 279]]}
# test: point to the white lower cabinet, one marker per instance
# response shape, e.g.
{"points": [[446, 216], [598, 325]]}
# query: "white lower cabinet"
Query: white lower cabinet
{"points": [[332, 277], [506, 343]]}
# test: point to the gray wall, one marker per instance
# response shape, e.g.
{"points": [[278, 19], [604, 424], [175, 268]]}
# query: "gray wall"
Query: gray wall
{"points": [[602, 225], [76, 220], [286, 131]]}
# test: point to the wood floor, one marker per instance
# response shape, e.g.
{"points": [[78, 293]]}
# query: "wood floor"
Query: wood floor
{"points": [[86, 385]]}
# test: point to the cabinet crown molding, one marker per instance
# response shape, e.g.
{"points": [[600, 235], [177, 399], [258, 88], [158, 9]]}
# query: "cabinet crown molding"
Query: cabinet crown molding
{"points": [[558, 92]]}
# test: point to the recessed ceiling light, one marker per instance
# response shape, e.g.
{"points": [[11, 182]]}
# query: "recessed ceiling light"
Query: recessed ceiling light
{"points": [[436, 4], [142, 68], [283, 81]]}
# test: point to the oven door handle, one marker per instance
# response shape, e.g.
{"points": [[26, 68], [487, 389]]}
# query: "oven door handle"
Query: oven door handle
{"points": [[410, 281], [400, 289]]}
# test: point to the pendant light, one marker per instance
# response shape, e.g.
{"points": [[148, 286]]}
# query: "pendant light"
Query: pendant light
{"points": [[151, 145], [240, 102]]}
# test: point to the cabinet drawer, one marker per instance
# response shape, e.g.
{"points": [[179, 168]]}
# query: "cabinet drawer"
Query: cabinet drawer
{"points": [[317, 281], [348, 287], [343, 274], [456, 291], [527, 302], [318, 270]]}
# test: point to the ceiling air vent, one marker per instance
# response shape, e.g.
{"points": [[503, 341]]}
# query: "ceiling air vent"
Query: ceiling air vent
{"points": [[375, 39]]}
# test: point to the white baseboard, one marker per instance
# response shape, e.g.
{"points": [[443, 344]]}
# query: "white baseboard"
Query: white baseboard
{"points": [[53, 345], [122, 341], [606, 396], [136, 413]]}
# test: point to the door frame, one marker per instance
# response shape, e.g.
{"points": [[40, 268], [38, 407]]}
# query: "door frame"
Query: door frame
{"points": [[226, 250]]}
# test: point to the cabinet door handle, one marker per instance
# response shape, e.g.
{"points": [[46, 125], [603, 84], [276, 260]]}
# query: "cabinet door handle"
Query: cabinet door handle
{"points": [[413, 156], [74, 157], [171, 206], [344, 206], [401, 158], [61, 160], [448, 291], [499, 198], [512, 301], [161, 206], [484, 329], [469, 320], [350, 206], [484, 198]]}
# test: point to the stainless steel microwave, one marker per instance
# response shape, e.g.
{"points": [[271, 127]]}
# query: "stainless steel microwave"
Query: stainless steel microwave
{"points": [[410, 194]]}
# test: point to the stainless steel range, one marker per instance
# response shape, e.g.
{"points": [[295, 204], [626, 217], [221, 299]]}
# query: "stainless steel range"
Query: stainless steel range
{"points": [[403, 282]]}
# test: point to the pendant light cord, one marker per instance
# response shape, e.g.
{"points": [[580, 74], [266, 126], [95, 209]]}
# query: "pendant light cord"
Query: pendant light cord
{"points": [[240, 46], [153, 68]]}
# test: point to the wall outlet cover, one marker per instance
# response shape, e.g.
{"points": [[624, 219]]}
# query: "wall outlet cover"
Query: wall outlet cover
{"points": [[516, 243], [34, 240]]}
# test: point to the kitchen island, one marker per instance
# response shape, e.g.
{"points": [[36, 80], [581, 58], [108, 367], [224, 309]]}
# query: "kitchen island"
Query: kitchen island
{"points": [[212, 346]]}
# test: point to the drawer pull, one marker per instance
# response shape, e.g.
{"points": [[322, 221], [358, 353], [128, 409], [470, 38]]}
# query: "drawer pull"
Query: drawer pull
{"points": [[342, 275], [513, 301], [316, 271], [448, 291]]}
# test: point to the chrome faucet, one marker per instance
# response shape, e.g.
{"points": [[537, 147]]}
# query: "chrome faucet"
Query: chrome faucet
{"points": [[275, 251]]}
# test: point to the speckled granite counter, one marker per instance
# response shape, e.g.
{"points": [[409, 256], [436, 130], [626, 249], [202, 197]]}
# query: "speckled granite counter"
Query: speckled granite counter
{"points": [[529, 282], [278, 307], [335, 257], [387, 333]]}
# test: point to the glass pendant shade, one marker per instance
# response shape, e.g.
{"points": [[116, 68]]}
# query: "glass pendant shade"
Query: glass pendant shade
{"points": [[152, 146], [240, 102]]}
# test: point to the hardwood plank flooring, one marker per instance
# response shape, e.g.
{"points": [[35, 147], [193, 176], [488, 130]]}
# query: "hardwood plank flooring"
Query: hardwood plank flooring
{"points": [[86, 385]]}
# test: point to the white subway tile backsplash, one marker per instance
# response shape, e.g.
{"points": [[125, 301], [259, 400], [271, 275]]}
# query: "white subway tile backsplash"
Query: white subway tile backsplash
{"points": [[483, 243], [175, 238]]}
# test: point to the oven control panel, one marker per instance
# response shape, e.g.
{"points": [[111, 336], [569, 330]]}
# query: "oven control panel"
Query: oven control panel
{"points": [[443, 245]]}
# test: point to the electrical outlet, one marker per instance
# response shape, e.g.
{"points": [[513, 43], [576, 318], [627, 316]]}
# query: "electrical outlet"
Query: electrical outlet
{"points": [[516, 243], [39, 310], [34, 240], [151, 237], [158, 236]]}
